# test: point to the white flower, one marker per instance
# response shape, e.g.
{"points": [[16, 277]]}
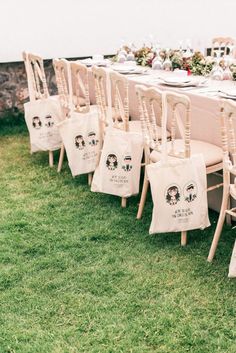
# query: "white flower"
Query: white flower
{"points": [[209, 60], [150, 56]]}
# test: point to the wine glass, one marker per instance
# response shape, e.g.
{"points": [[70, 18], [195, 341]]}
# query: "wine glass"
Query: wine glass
{"points": [[167, 65], [217, 73]]}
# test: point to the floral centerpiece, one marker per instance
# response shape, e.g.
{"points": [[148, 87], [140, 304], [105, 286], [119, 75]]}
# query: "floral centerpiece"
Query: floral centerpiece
{"points": [[200, 65], [195, 63], [144, 56]]}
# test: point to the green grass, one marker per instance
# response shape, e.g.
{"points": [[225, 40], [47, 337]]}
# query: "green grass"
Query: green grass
{"points": [[80, 274]]}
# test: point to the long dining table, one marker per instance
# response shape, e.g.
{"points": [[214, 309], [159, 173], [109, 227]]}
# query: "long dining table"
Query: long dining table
{"points": [[205, 111]]}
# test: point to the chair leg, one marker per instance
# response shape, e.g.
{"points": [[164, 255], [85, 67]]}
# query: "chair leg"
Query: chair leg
{"points": [[90, 177], [61, 158], [218, 228], [183, 238], [50, 159], [228, 216], [123, 202], [143, 197]]}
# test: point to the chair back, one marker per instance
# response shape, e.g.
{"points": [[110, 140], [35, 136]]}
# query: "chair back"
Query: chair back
{"points": [[61, 74], [150, 110], [176, 108], [100, 76], [228, 126], [36, 78], [120, 89], [222, 44], [80, 86]]}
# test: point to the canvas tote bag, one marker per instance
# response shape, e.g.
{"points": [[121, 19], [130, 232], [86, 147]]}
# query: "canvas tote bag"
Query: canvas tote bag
{"points": [[179, 195], [81, 137], [178, 188], [42, 116], [118, 172], [232, 266]]}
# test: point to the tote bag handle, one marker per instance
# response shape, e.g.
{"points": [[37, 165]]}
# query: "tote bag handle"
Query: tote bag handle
{"points": [[70, 89], [29, 77]]}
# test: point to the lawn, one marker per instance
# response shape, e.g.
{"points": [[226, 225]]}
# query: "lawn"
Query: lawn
{"points": [[80, 274]]}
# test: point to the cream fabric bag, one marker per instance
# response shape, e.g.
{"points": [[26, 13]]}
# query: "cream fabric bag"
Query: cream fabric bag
{"points": [[118, 172], [179, 195], [41, 118], [232, 266], [81, 137]]}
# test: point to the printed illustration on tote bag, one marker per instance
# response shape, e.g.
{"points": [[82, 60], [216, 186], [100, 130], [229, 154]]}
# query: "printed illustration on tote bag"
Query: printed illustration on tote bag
{"points": [[173, 195], [79, 142], [190, 192], [111, 161], [127, 166], [93, 141], [36, 122], [49, 121]]}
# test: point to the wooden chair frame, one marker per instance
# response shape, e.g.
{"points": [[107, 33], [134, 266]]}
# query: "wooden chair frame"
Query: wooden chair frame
{"points": [[172, 102], [100, 76], [147, 97], [120, 87], [37, 84], [227, 121], [221, 44], [72, 78]]}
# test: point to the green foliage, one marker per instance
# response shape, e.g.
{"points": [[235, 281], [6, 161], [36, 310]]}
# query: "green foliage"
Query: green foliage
{"points": [[78, 274], [199, 65], [12, 121]]}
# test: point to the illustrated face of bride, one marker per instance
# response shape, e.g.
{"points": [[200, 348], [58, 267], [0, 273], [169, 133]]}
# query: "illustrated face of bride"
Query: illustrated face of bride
{"points": [[112, 159], [173, 192]]}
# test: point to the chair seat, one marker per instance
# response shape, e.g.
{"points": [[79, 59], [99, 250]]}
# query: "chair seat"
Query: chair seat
{"points": [[135, 126], [212, 154]]}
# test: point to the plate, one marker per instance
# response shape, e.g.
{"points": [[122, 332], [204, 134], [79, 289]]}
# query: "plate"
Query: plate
{"points": [[230, 92], [227, 96], [129, 70], [90, 62], [175, 80], [185, 82]]}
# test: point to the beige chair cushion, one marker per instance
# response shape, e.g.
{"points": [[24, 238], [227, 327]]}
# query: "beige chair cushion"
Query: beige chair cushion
{"points": [[135, 126], [212, 154]]}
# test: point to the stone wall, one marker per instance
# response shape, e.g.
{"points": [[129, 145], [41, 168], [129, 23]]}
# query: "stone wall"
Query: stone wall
{"points": [[13, 85]]}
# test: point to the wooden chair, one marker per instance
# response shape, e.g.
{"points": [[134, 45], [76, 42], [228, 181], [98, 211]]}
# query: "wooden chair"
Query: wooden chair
{"points": [[150, 110], [221, 44], [60, 69], [80, 92], [111, 86], [120, 92], [37, 84], [116, 99], [179, 125], [100, 76], [228, 121], [72, 79], [61, 74], [80, 86]]}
